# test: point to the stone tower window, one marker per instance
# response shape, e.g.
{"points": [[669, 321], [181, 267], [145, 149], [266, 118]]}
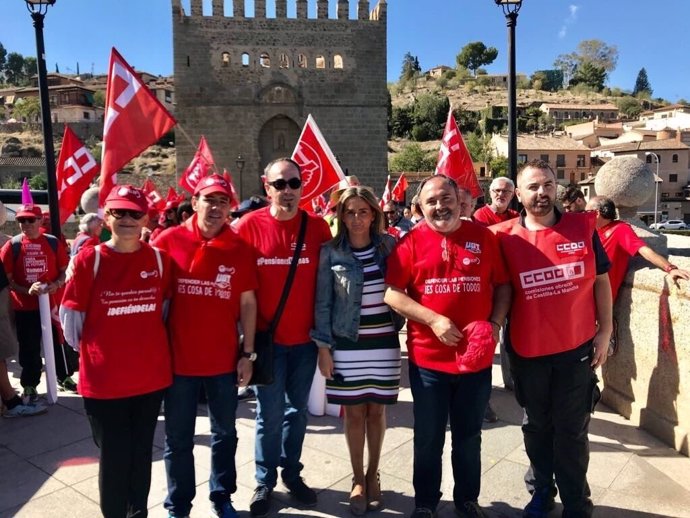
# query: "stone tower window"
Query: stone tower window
{"points": [[302, 61], [337, 61], [245, 59], [225, 59], [320, 62], [265, 60], [284, 61]]}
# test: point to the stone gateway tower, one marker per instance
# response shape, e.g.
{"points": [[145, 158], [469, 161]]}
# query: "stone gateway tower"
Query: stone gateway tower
{"points": [[249, 83]]}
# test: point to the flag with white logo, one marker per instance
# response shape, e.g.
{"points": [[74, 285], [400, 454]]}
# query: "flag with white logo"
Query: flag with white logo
{"points": [[134, 120], [200, 166], [398, 192], [76, 169], [386, 197], [152, 194], [455, 161]]}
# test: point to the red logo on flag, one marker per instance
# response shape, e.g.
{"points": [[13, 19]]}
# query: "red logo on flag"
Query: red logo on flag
{"points": [[455, 161], [75, 170], [320, 169], [201, 165], [134, 119], [152, 194]]}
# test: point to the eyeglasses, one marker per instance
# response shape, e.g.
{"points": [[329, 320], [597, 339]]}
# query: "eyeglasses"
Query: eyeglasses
{"points": [[389, 212], [121, 213], [280, 184], [502, 191], [26, 220]]}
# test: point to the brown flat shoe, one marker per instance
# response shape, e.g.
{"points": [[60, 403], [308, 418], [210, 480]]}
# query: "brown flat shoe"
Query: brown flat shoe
{"points": [[358, 499], [374, 497]]}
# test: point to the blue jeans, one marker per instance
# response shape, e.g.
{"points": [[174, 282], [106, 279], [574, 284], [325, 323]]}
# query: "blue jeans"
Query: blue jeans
{"points": [[180, 415], [436, 396], [281, 414]]}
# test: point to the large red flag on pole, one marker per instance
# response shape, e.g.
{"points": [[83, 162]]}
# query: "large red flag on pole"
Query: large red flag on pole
{"points": [[76, 170], [398, 192], [134, 120], [386, 197], [200, 166], [320, 169], [455, 161]]}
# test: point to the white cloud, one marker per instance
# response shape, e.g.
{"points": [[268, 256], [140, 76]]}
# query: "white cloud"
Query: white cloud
{"points": [[570, 20], [563, 32]]}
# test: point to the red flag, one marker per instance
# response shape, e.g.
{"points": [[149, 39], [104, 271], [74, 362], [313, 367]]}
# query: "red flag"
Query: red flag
{"points": [[201, 165], [386, 197], [134, 119], [455, 161], [76, 169], [320, 169], [319, 204], [398, 192], [154, 197], [172, 196], [235, 202]]}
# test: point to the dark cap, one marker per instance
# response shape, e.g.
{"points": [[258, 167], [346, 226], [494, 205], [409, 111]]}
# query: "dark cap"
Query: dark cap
{"points": [[249, 205]]}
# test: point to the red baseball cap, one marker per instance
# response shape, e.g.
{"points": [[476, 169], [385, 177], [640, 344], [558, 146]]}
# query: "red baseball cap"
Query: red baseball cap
{"points": [[29, 211], [213, 184], [127, 197]]}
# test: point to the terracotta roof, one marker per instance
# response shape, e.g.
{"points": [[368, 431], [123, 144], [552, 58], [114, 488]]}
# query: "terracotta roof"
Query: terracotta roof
{"points": [[650, 145], [556, 106], [547, 143]]}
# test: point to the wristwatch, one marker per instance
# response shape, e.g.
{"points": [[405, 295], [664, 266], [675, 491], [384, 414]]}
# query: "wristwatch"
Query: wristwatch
{"points": [[250, 356]]}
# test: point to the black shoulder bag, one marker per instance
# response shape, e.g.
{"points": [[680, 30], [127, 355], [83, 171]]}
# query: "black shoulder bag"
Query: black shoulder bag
{"points": [[263, 340]]}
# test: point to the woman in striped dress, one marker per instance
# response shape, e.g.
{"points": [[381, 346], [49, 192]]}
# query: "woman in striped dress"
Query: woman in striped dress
{"points": [[359, 352]]}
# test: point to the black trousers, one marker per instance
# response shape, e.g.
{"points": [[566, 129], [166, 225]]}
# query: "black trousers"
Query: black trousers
{"points": [[123, 430], [556, 393], [29, 337]]}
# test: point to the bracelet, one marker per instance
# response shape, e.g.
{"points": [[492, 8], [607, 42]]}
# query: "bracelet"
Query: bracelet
{"points": [[496, 323], [670, 267]]}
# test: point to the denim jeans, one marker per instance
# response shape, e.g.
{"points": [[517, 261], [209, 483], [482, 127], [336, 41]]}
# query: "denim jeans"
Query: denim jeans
{"points": [[180, 415], [123, 430], [436, 396], [281, 414]]}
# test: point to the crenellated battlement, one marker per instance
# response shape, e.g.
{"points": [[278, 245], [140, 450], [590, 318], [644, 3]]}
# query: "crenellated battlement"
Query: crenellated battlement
{"points": [[283, 9]]}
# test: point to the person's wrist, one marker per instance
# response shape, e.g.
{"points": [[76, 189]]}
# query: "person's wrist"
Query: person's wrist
{"points": [[670, 267]]}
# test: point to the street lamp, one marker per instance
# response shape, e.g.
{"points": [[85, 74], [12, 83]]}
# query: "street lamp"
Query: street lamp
{"points": [[239, 162], [656, 183], [510, 10], [38, 10]]}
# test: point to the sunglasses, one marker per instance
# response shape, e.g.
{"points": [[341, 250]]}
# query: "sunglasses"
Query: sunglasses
{"points": [[121, 213], [281, 184], [26, 220]]}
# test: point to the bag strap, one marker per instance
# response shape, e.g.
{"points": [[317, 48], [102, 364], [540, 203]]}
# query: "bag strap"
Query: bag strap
{"points": [[291, 274]]}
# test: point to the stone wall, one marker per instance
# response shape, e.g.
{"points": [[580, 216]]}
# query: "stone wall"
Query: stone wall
{"points": [[239, 82], [648, 380]]}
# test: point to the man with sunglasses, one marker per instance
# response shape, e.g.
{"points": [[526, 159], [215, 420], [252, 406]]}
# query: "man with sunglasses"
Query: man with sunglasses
{"points": [[215, 283], [281, 415], [396, 224], [39, 267]]}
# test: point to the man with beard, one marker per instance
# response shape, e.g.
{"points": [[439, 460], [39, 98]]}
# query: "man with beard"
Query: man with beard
{"points": [[281, 412], [501, 190], [573, 200], [442, 277], [558, 271]]}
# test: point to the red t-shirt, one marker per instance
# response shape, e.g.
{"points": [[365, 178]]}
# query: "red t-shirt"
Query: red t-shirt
{"points": [[36, 262], [488, 217], [274, 242], [124, 345], [83, 240], [454, 275], [210, 275], [621, 243]]}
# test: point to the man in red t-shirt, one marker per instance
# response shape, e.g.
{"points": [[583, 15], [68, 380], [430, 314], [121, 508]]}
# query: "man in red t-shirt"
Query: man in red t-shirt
{"points": [[621, 243], [214, 290], [442, 276], [560, 326], [281, 413], [38, 267], [501, 190]]}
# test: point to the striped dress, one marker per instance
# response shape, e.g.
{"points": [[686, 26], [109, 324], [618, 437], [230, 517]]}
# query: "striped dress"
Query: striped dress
{"points": [[370, 367]]}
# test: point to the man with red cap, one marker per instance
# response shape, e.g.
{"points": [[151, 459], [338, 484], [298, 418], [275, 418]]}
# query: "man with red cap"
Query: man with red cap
{"points": [[35, 263], [215, 280]]}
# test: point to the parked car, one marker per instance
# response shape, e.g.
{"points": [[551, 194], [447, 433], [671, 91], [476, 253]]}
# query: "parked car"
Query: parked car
{"points": [[671, 224]]}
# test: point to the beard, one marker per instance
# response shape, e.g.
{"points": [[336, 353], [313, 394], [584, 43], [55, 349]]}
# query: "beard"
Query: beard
{"points": [[539, 206]]}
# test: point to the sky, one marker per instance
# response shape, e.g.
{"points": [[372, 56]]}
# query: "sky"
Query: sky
{"points": [[647, 35]]}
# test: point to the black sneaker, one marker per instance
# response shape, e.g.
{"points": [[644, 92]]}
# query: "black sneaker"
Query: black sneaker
{"points": [[422, 512], [301, 492], [470, 510], [489, 414], [541, 504], [260, 503]]}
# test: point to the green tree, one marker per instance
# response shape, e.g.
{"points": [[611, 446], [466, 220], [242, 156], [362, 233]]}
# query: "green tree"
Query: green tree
{"points": [[412, 158], [429, 115], [39, 181], [498, 166], [14, 69], [595, 52], [476, 54], [28, 108], [550, 80], [410, 67], [629, 107], [642, 83], [590, 75], [99, 98], [30, 68], [3, 58]]}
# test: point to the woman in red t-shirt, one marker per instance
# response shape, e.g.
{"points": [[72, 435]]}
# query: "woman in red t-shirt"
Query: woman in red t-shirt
{"points": [[113, 310]]}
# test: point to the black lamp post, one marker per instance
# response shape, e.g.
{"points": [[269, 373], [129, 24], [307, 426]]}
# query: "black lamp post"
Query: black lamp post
{"points": [[510, 9], [38, 9], [240, 166]]}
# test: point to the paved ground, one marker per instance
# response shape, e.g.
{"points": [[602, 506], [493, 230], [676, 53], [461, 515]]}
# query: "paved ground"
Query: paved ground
{"points": [[49, 466]]}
